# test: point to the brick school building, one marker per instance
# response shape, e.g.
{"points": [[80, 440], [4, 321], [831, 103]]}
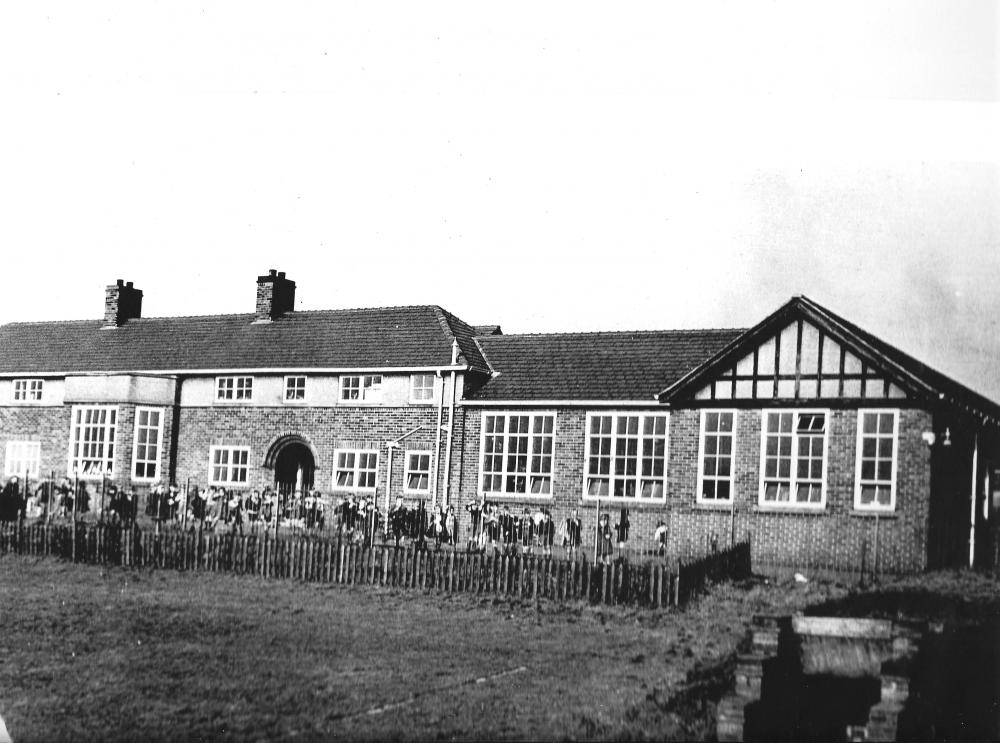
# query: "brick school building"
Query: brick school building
{"points": [[821, 441]]}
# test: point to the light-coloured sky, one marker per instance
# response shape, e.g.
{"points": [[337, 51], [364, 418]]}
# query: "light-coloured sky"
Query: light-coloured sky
{"points": [[547, 167]]}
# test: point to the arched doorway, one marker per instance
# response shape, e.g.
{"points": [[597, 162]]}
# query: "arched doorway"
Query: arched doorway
{"points": [[294, 465]]}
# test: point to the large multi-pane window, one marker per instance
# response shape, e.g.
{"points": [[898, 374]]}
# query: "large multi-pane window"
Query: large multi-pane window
{"points": [[22, 458], [295, 388], [233, 388], [92, 440], [517, 454], [355, 469], [715, 473], [146, 446], [421, 387], [229, 465], [360, 387], [418, 472], [875, 487], [28, 390], [793, 457], [626, 455]]}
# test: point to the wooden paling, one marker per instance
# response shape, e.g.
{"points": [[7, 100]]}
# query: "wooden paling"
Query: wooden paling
{"points": [[656, 584]]}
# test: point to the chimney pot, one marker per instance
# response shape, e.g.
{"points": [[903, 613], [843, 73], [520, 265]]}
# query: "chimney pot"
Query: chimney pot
{"points": [[281, 274], [120, 282], [128, 284], [272, 272]]}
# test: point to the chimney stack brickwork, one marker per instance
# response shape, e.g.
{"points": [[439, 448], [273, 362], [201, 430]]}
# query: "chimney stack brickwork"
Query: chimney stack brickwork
{"points": [[122, 302], [275, 295]]}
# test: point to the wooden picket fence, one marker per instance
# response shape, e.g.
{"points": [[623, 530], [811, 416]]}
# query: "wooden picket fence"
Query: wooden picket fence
{"points": [[654, 584]]}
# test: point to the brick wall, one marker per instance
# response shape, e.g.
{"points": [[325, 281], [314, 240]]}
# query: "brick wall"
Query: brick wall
{"points": [[830, 540]]}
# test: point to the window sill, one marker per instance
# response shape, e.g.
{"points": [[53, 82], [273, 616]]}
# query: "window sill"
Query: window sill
{"points": [[612, 502], [873, 514], [702, 506], [791, 510]]}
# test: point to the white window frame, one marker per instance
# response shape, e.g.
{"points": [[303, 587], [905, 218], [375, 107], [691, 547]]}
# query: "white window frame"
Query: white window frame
{"points": [[875, 507], [305, 390], [701, 460], [31, 391], [408, 470], [793, 482], [28, 459], [422, 388], [356, 469], [158, 461], [106, 460], [529, 473], [639, 456], [368, 389], [246, 391], [230, 466]]}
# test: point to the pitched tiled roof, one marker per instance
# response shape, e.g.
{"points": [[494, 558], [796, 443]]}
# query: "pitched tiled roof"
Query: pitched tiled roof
{"points": [[594, 366], [402, 337]]}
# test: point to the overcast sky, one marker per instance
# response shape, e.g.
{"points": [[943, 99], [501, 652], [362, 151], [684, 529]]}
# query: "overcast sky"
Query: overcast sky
{"points": [[547, 167]]}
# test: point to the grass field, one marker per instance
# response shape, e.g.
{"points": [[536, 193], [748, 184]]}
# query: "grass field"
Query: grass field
{"points": [[87, 653]]}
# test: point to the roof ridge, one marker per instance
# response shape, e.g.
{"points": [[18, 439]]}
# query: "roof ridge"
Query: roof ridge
{"points": [[690, 331]]}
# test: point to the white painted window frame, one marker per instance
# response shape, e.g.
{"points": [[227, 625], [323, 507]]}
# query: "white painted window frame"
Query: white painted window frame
{"points": [[368, 389], [230, 467], [701, 459], [615, 415], [356, 469], [158, 461], [235, 379], [408, 470], [32, 390], [528, 474], [413, 388], [305, 389], [72, 462], [874, 507], [793, 476], [11, 456]]}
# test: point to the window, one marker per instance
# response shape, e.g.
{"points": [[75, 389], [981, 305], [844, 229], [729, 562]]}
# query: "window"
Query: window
{"points": [[517, 454], [92, 440], [875, 488], [361, 387], [421, 387], [626, 455], [146, 447], [418, 472], [356, 469], [28, 390], [228, 465], [22, 457], [793, 456], [295, 389], [234, 388], [715, 473]]}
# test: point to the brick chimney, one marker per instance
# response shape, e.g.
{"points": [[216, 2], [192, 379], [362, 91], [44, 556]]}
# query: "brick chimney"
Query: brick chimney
{"points": [[275, 296], [122, 302]]}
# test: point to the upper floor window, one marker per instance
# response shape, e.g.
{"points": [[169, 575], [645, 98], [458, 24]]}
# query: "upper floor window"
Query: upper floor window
{"points": [[517, 454], [295, 389], [418, 472], [793, 453], [355, 469], [875, 485], [715, 457], [421, 387], [626, 455], [28, 390], [92, 440], [147, 445], [228, 465], [22, 458], [233, 388], [360, 387]]}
